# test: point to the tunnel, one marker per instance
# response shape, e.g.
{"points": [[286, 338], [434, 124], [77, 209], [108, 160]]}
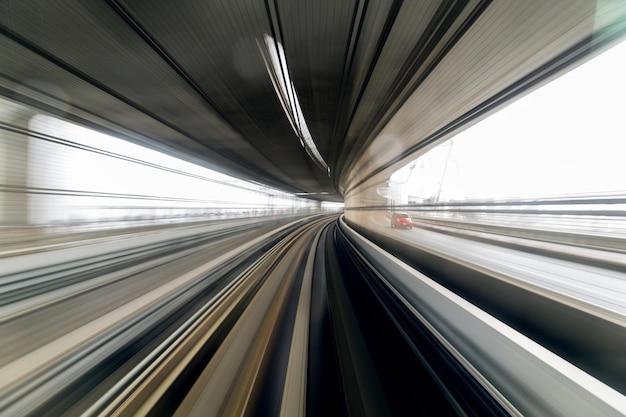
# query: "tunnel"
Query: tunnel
{"points": [[312, 208]]}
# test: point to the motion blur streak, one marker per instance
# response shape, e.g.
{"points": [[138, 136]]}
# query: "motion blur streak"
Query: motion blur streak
{"points": [[213, 320], [206, 209]]}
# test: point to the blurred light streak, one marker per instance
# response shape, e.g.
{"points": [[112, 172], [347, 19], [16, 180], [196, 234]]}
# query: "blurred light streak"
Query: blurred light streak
{"points": [[276, 64]]}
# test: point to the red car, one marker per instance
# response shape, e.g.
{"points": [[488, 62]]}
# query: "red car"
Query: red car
{"points": [[402, 220]]}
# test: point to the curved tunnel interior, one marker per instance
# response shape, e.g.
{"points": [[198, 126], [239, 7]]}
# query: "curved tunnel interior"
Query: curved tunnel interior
{"points": [[248, 208]]}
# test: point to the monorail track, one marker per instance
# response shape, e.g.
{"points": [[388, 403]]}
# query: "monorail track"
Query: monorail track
{"points": [[306, 319]]}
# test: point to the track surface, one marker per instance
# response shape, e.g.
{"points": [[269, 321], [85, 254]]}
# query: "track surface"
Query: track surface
{"points": [[258, 320]]}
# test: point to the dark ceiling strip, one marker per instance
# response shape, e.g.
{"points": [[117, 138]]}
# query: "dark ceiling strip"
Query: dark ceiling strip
{"points": [[142, 32], [360, 10], [402, 89], [160, 50], [385, 115], [79, 74], [338, 141], [559, 63], [444, 18], [446, 15], [273, 15], [382, 40], [273, 22]]}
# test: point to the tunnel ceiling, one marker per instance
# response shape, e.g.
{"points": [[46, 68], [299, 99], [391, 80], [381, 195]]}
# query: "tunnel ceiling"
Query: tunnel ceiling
{"points": [[374, 79]]}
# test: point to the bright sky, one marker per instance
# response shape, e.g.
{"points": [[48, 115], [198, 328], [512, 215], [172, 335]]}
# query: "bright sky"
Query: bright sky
{"points": [[568, 137]]}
